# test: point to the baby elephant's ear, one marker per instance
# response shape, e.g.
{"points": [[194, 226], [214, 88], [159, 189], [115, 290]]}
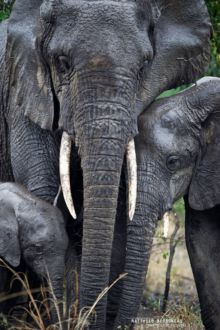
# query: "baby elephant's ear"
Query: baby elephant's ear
{"points": [[9, 243], [204, 192]]}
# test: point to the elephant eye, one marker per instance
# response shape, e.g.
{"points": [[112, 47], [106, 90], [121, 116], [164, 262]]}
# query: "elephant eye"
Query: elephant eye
{"points": [[173, 163], [147, 58], [63, 64]]}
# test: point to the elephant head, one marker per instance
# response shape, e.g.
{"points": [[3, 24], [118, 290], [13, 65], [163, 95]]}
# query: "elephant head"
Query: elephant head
{"points": [[178, 153], [179, 143], [83, 66], [34, 230]]}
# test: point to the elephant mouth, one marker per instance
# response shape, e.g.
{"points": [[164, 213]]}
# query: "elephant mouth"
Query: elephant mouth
{"points": [[65, 154]]}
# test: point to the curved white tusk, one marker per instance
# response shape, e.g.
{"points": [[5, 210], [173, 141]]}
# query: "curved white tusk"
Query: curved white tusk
{"points": [[65, 152], [132, 178]]}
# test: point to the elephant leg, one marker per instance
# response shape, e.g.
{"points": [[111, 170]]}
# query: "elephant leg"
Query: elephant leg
{"points": [[53, 276], [202, 241], [35, 158], [72, 280]]}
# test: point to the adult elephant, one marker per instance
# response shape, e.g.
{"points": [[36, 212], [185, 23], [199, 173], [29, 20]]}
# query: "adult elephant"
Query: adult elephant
{"points": [[178, 152], [82, 66]]}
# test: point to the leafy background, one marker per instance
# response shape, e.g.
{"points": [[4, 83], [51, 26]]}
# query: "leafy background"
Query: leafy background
{"points": [[214, 10], [5, 8]]}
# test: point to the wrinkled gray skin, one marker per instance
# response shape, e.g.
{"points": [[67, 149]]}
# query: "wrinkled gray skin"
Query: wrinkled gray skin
{"points": [[34, 231], [178, 152], [82, 66]]}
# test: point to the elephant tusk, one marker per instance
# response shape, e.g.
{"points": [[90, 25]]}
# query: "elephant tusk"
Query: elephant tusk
{"points": [[65, 152], [57, 197], [132, 178]]}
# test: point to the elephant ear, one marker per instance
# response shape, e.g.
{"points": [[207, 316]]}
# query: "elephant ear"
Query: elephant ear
{"points": [[29, 77], [204, 191], [181, 40], [9, 243]]}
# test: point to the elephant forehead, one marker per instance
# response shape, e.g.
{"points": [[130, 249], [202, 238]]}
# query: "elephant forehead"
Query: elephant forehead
{"points": [[165, 131], [100, 26], [97, 14], [167, 141], [164, 114], [97, 10]]}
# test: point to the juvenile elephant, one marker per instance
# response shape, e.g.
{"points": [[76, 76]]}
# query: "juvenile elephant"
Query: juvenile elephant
{"points": [[33, 231], [84, 67], [178, 154]]}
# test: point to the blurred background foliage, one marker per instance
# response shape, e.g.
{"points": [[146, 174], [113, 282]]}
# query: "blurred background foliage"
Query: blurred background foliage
{"points": [[214, 10], [5, 8]]}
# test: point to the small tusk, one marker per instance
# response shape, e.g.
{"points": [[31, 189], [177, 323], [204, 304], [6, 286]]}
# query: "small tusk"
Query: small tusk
{"points": [[65, 152], [132, 178], [57, 197], [166, 219]]}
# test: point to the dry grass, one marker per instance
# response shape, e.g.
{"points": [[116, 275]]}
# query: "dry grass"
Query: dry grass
{"points": [[85, 313], [180, 315], [188, 314], [38, 312]]}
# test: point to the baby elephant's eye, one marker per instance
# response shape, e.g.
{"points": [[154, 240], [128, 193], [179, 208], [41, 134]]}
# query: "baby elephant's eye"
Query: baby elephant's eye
{"points": [[173, 163]]}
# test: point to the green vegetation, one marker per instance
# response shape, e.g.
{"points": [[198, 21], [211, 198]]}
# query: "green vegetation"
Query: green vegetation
{"points": [[214, 11], [179, 208], [4, 14], [4, 10]]}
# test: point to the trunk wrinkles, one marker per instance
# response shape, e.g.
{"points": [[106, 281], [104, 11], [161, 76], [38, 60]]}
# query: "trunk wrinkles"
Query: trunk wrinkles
{"points": [[139, 242], [104, 124]]}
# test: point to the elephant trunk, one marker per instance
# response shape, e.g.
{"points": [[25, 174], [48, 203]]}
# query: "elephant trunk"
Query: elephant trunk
{"points": [[104, 125], [56, 277], [140, 233], [101, 174]]}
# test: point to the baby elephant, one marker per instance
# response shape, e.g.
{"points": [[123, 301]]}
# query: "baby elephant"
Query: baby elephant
{"points": [[33, 231], [178, 154]]}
